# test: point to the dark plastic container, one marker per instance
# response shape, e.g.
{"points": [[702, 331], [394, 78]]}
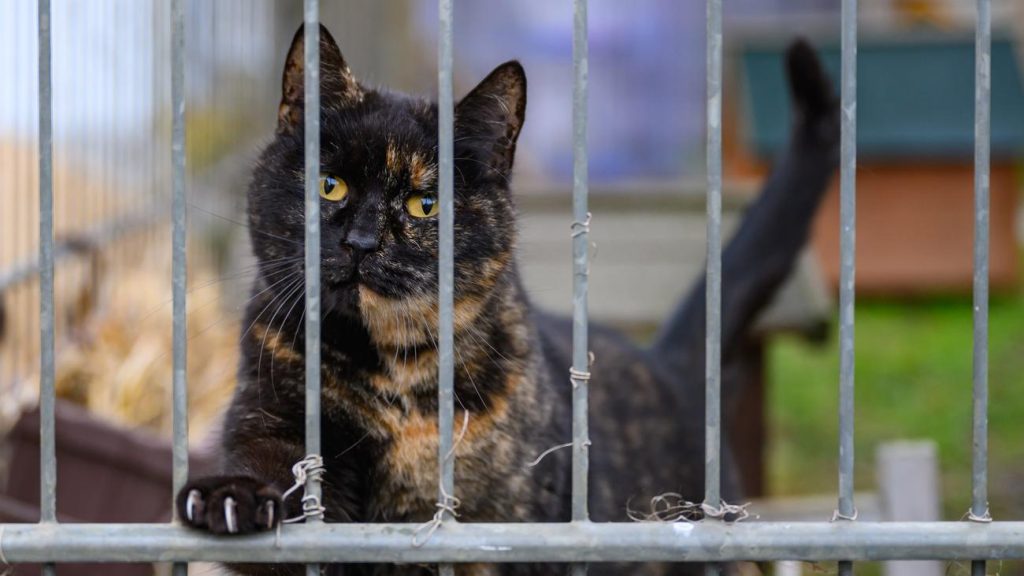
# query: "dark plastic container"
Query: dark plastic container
{"points": [[105, 473]]}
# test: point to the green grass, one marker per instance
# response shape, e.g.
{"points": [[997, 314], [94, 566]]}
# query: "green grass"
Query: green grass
{"points": [[913, 381]]}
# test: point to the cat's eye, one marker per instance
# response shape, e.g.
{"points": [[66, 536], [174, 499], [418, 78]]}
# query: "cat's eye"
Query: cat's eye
{"points": [[332, 188], [422, 205]]}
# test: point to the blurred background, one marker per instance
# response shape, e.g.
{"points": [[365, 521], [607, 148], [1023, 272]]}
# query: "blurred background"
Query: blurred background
{"points": [[111, 82]]}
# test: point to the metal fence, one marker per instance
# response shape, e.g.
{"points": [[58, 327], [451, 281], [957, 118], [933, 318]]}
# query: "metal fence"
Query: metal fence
{"points": [[580, 541], [111, 140]]}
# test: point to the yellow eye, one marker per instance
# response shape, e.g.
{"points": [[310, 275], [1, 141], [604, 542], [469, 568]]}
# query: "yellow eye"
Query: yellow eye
{"points": [[332, 188], [422, 205]]}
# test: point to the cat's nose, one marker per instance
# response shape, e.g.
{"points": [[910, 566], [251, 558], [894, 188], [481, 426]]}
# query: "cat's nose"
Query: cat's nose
{"points": [[362, 241], [363, 234]]}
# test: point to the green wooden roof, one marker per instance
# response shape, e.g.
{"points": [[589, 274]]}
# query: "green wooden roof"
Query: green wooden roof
{"points": [[914, 99]]}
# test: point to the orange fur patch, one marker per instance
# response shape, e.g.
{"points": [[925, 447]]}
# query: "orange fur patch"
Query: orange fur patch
{"points": [[411, 321], [414, 439], [391, 159], [421, 172], [271, 342]]}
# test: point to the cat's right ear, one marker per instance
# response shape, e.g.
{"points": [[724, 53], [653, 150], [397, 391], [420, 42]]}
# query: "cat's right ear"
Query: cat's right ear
{"points": [[338, 87], [492, 114]]}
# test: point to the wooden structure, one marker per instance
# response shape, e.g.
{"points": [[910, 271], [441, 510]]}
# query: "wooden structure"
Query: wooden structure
{"points": [[915, 179]]}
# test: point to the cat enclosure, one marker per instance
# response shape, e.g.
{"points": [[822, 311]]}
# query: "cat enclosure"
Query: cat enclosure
{"points": [[843, 539]]}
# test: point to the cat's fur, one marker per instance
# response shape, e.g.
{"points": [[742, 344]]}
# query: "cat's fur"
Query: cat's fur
{"points": [[379, 358]]}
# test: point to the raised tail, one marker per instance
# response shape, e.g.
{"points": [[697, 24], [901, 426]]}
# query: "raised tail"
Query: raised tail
{"points": [[774, 229]]}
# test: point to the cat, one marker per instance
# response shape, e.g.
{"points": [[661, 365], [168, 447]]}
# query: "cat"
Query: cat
{"points": [[379, 242]]}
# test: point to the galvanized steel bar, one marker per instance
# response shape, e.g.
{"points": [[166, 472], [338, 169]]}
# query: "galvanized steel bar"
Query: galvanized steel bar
{"points": [[47, 455], [581, 271], [580, 243], [311, 81], [179, 259], [982, 139], [47, 444], [713, 342], [535, 542], [848, 215], [847, 243], [446, 266]]}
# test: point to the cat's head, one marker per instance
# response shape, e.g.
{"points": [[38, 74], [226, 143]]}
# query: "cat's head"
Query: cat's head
{"points": [[379, 185]]}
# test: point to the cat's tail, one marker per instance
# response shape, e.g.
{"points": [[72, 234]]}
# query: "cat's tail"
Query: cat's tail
{"points": [[762, 253]]}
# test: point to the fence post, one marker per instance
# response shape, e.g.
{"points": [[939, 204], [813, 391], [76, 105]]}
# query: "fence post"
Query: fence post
{"points": [[908, 484]]}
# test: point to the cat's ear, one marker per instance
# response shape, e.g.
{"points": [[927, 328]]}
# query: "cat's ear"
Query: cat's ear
{"points": [[491, 116], [338, 87]]}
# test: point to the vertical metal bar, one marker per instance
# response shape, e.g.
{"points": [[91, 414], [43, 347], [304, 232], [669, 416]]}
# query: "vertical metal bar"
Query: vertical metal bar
{"points": [[713, 312], [847, 215], [48, 459], [712, 369], [580, 242], [581, 265], [179, 392], [446, 262], [311, 81], [982, 136], [47, 444]]}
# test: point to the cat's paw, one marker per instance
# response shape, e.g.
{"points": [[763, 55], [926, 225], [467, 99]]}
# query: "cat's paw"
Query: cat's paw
{"points": [[230, 505]]}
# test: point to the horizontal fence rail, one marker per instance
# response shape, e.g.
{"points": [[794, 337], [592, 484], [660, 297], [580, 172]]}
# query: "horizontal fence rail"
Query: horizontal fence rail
{"points": [[571, 542]]}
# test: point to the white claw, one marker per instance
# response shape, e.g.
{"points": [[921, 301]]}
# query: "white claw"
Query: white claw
{"points": [[270, 513], [230, 517], [190, 504]]}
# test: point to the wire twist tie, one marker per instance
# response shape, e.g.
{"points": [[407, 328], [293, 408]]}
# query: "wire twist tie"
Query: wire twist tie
{"points": [[310, 467], [446, 503], [837, 515], [985, 518], [579, 228], [578, 377]]}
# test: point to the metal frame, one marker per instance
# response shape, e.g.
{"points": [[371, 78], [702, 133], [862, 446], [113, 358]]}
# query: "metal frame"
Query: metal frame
{"points": [[580, 540]]}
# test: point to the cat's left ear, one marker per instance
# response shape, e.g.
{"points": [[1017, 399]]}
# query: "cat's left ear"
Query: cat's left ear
{"points": [[492, 114], [338, 87]]}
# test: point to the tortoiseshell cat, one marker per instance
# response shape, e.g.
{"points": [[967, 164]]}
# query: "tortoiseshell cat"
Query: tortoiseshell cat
{"points": [[379, 287]]}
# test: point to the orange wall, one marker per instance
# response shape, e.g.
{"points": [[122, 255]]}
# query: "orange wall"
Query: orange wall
{"points": [[915, 228]]}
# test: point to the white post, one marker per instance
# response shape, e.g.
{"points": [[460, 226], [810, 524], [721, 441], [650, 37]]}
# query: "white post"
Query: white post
{"points": [[908, 485]]}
